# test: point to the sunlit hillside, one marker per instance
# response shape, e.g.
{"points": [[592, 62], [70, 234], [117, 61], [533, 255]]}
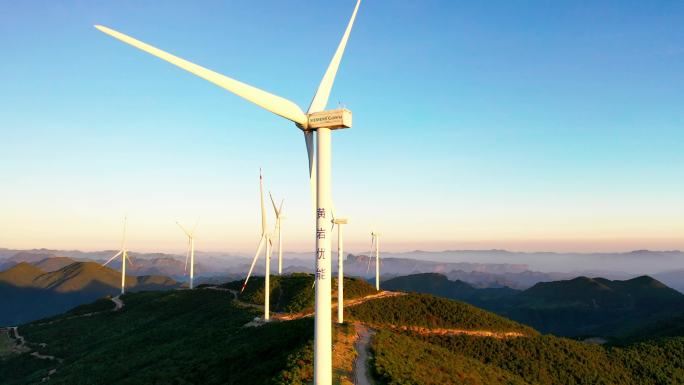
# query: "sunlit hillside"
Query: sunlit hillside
{"points": [[208, 336]]}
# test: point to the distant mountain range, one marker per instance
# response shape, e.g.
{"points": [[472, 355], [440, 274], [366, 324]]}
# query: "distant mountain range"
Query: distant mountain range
{"points": [[29, 292], [637, 262], [575, 307], [480, 268]]}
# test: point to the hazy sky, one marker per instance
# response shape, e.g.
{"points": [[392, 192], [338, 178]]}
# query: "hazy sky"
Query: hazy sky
{"points": [[522, 125]]}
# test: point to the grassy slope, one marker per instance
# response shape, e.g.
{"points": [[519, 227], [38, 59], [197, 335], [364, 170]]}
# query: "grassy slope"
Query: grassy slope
{"points": [[400, 359], [181, 337], [4, 344], [432, 312], [553, 360], [411, 358], [196, 337]]}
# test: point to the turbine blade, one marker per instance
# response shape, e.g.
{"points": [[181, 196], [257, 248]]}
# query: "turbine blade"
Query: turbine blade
{"points": [[129, 260], [280, 208], [112, 258], [275, 208], [273, 103], [370, 253], [310, 150], [261, 197], [320, 100], [256, 256], [184, 229]]}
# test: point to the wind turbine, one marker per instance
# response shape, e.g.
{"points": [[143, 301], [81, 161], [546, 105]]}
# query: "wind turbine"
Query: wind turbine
{"points": [[315, 119], [375, 241], [191, 251], [279, 229], [124, 256], [265, 238], [340, 268]]}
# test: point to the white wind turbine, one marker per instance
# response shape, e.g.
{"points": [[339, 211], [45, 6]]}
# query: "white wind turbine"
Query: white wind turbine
{"points": [[265, 238], [191, 251], [315, 119], [340, 268], [279, 229], [375, 242], [124, 256]]}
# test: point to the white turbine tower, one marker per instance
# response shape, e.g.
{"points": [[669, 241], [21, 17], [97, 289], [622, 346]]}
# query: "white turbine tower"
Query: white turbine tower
{"points": [[377, 259], [265, 238], [191, 251], [318, 120], [340, 268], [279, 230], [124, 256], [375, 244]]}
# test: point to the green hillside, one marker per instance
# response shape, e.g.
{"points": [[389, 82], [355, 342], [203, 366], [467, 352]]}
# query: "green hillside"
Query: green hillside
{"points": [[295, 292], [432, 312], [585, 306], [400, 359], [181, 337], [553, 360], [200, 337], [656, 327], [577, 307]]}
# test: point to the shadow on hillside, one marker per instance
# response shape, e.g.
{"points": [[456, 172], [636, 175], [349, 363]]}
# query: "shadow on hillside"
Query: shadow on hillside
{"points": [[20, 305]]}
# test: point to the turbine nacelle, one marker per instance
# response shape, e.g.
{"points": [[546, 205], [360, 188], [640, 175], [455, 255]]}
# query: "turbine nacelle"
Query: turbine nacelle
{"points": [[332, 119]]}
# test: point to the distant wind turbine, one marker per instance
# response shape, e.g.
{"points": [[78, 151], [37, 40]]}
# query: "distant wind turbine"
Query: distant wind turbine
{"points": [[124, 256], [265, 238], [375, 243], [191, 251], [340, 268], [316, 119], [279, 230]]}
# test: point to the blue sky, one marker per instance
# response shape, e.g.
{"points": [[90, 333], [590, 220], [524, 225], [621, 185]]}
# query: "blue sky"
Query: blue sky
{"points": [[521, 125]]}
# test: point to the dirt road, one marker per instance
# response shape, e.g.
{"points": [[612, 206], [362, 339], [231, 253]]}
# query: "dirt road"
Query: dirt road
{"points": [[361, 372], [347, 303], [118, 303]]}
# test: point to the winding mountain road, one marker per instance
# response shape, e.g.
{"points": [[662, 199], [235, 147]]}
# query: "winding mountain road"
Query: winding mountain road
{"points": [[118, 303], [361, 374], [21, 341]]}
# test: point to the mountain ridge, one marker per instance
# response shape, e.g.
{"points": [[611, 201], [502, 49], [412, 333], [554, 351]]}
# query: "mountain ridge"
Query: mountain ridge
{"points": [[574, 307], [30, 293]]}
